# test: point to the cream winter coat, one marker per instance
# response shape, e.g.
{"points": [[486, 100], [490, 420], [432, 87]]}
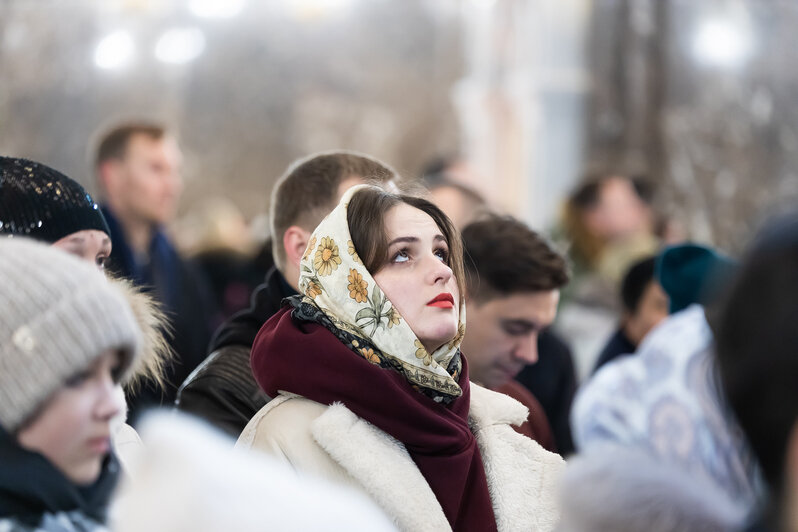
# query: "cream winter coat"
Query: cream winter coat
{"points": [[333, 442]]}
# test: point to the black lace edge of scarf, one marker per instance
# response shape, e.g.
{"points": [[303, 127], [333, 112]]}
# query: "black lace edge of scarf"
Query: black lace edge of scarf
{"points": [[305, 311]]}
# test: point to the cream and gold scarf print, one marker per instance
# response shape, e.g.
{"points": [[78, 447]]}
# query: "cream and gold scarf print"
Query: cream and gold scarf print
{"points": [[333, 278]]}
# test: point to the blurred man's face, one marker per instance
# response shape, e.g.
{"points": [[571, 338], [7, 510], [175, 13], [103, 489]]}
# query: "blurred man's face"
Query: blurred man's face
{"points": [[652, 309], [502, 334], [454, 204], [147, 183]]}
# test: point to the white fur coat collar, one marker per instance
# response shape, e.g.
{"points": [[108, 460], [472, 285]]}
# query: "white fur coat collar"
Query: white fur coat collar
{"points": [[522, 476]]}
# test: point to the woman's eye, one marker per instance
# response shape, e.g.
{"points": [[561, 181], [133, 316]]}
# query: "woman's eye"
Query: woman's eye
{"points": [[401, 256], [442, 254], [78, 379]]}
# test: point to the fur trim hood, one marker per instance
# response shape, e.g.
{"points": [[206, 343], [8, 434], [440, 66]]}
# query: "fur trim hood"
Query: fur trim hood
{"points": [[156, 351]]}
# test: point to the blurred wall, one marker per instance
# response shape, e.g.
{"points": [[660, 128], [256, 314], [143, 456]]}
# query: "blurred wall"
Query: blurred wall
{"points": [[695, 94], [522, 101], [276, 81]]}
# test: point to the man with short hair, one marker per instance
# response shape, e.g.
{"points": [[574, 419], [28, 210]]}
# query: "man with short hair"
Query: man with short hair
{"points": [[222, 390], [552, 378], [513, 281], [138, 171], [645, 305]]}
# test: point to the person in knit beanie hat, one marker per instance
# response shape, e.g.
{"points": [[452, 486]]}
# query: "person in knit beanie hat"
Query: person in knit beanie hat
{"points": [[67, 337], [40, 202], [693, 274]]}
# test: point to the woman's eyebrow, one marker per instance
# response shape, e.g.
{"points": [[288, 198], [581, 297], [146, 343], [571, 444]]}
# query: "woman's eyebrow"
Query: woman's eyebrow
{"points": [[403, 239]]}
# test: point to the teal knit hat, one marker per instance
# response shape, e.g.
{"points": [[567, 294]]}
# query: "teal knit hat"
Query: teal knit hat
{"points": [[692, 273]]}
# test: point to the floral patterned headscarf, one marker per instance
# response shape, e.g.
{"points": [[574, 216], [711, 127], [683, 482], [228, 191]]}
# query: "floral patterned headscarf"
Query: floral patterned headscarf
{"points": [[334, 280]]}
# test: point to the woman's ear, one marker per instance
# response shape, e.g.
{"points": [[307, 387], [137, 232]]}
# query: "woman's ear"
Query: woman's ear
{"points": [[295, 240]]}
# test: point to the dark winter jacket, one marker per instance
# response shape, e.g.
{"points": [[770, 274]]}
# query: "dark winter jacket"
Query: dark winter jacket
{"points": [[552, 380], [187, 301], [34, 495], [222, 389], [618, 345]]}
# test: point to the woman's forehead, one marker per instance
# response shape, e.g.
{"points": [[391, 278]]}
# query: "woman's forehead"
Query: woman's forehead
{"points": [[406, 220]]}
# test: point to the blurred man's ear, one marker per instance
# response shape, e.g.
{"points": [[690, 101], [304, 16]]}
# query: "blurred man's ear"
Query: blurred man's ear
{"points": [[295, 240], [108, 175]]}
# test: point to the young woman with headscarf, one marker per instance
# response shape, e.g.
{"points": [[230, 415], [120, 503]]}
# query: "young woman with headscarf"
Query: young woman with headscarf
{"points": [[372, 390]]}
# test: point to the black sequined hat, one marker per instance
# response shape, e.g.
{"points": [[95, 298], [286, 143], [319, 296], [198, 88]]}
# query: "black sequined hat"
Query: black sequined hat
{"points": [[44, 204]]}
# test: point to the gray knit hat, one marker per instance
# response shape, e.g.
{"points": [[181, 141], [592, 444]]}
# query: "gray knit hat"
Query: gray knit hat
{"points": [[57, 315]]}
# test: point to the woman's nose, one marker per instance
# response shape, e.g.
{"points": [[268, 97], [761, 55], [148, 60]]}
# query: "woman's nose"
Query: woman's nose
{"points": [[440, 272], [110, 400]]}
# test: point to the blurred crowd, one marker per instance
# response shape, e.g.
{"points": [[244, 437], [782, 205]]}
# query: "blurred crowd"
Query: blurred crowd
{"points": [[384, 352]]}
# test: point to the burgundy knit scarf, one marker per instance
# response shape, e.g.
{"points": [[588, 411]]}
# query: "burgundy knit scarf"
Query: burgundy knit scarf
{"points": [[307, 359]]}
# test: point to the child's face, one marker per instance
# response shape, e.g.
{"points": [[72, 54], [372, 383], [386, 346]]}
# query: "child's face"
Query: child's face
{"points": [[73, 429]]}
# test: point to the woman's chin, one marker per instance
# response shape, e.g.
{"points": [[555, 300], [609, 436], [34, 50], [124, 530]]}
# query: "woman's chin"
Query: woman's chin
{"points": [[435, 342], [85, 474]]}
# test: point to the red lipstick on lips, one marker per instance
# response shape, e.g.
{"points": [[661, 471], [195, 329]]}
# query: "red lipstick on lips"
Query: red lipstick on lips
{"points": [[443, 300]]}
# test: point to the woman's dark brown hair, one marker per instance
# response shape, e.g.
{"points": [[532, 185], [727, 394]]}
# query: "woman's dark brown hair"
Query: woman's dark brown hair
{"points": [[366, 219]]}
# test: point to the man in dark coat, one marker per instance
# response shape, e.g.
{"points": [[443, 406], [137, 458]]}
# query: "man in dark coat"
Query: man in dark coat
{"points": [[552, 380], [138, 170], [513, 280], [222, 389]]}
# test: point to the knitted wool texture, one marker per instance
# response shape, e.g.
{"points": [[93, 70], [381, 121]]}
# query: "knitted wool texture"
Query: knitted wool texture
{"points": [[692, 273], [57, 316]]}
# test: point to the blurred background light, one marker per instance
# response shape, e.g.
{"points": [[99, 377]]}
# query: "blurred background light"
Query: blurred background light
{"points": [[216, 8], [180, 45], [722, 43], [314, 9], [115, 50]]}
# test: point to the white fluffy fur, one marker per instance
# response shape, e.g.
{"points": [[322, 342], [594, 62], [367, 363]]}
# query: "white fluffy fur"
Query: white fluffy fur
{"points": [[188, 479], [491, 408], [382, 465]]}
